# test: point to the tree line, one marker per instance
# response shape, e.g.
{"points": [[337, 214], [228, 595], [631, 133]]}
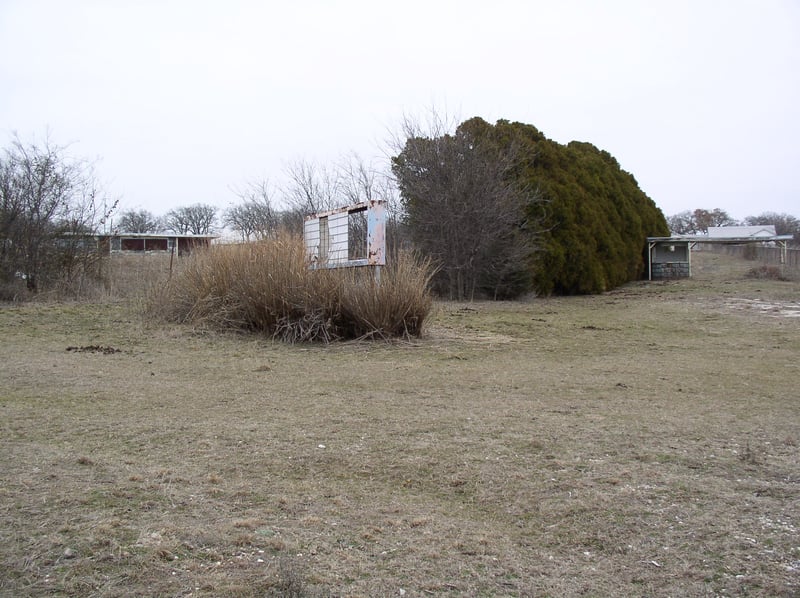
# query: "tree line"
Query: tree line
{"points": [[499, 208], [261, 209], [52, 206], [508, 211], [697, 222]]}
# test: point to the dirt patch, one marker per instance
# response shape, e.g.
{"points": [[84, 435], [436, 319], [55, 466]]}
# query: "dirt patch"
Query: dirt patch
{"points": [[105, 350], [779, 309]]}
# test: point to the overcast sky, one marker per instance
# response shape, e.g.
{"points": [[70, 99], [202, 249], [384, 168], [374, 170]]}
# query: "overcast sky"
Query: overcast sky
{"points": [[182, 100]]}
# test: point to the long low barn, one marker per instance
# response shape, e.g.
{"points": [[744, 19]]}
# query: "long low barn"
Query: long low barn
{"points": [[152, 242]]}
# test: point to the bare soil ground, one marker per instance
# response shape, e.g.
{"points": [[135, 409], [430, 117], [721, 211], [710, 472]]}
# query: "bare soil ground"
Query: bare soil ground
{"points": [[642, 442]]}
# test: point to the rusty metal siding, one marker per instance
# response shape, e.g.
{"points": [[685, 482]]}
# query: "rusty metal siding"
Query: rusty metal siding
{"points": [[376, 235], [336, 237]]}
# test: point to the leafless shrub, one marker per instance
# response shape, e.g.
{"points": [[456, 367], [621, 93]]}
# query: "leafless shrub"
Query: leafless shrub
{"points": [[766, 272], [749, 455], [268, 287], [290, 581], [13, 291], [50, 206]]}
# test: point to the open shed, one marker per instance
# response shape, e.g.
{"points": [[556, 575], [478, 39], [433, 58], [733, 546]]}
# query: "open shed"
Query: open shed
{"points": [[671, 257]]}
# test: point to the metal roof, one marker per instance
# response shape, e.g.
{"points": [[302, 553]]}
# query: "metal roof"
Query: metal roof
{"points": [[156, 235], [739, 232], [707, 239]]}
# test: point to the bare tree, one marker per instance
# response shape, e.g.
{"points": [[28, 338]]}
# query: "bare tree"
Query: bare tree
{"points": [[785, 224], [357, 183], [703, 219], [464, 208], [682, 223], [697, 222], [255, 217], [197, 219], [50, 206], [312, 187], [357, 179], [138, 221], [362, 181]]}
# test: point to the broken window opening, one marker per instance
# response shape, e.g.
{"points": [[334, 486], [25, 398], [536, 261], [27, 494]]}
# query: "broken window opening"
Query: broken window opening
{"points": [[357, 234]]}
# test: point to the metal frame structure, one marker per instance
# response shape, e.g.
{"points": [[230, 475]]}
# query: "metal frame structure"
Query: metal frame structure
{"points": [[327, 236]]}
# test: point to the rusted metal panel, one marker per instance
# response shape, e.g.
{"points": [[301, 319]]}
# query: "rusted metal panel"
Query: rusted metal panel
{"points": [[327, 237], [376, 234]]}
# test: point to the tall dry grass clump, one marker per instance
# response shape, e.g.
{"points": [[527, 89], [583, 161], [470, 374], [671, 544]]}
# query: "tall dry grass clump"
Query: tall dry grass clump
{"points": [[267, 287]]}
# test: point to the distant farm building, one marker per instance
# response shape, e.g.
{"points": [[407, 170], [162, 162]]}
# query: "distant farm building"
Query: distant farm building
{"points": [[151, 242], [671, 257], [760, 232]]}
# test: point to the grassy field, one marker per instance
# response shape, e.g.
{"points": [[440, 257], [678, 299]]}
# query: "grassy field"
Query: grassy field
{"points": [[643, 442]]}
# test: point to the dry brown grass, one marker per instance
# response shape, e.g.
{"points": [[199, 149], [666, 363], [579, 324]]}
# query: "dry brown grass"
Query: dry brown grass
{"points": [[131, 275], [642, 442], [268, 287], [767, 271]]}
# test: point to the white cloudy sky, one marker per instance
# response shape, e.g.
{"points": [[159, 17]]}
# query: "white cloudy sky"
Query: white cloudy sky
{"points": [[183, 99]]}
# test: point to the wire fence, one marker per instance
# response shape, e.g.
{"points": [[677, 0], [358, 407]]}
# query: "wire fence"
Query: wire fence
{"points": [[758, 253]]}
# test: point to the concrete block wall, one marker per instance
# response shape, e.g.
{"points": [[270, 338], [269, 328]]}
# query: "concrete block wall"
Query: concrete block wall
{"points": [[670, 270]]}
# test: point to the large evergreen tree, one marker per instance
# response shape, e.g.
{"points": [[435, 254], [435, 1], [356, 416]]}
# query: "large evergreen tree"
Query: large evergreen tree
{"points": [[587, 218], [597, 220]]}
